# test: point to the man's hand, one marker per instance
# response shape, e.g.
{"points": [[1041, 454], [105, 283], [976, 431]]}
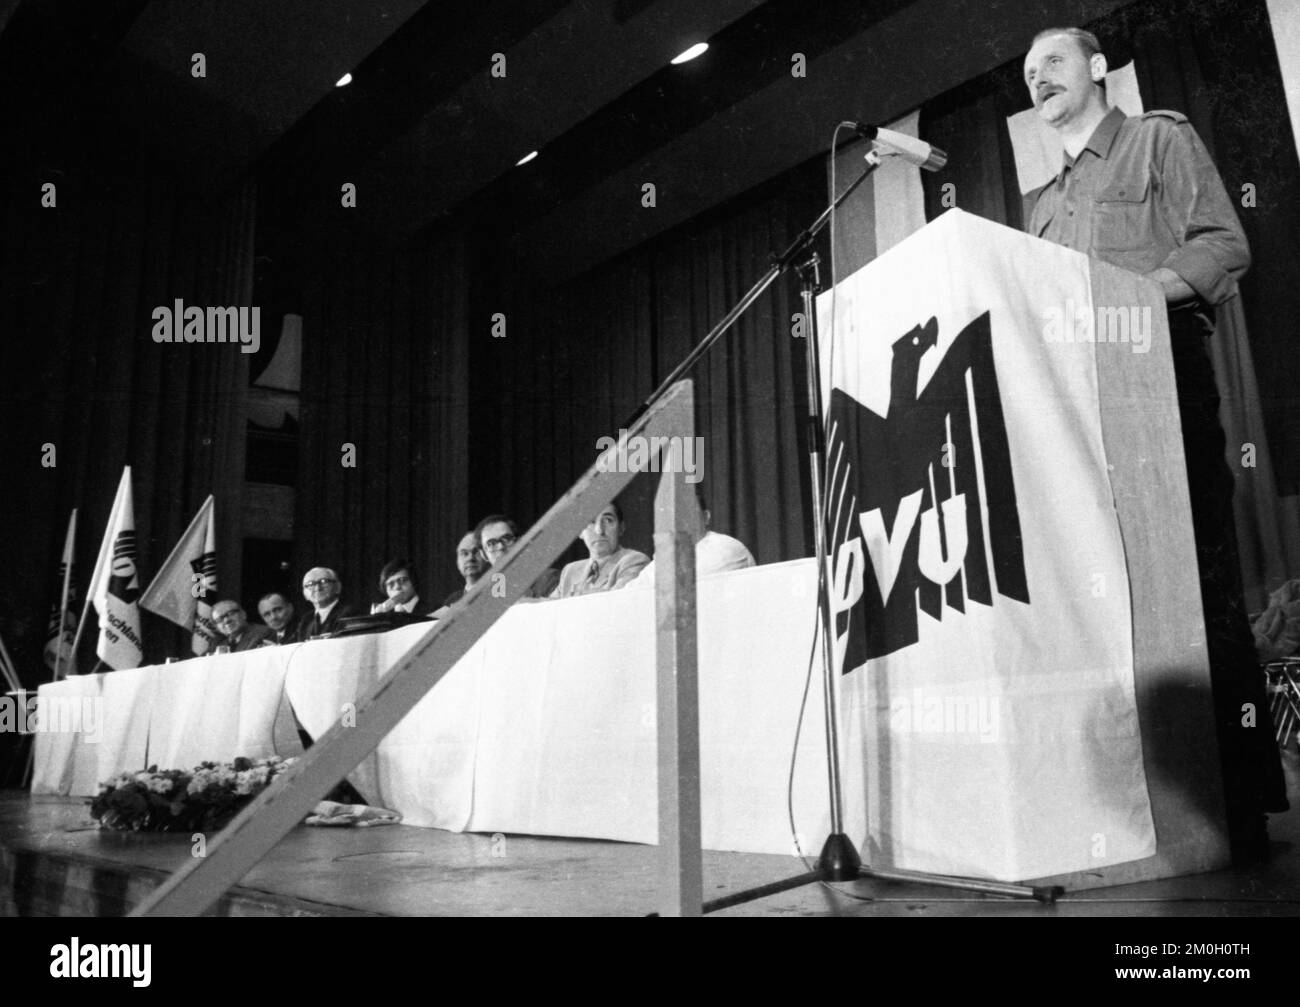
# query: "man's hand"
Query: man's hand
{"points": [[1174, 286]]}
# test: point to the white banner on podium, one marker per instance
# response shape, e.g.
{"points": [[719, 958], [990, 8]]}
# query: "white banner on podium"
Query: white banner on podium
{"points": [[982, 609]]}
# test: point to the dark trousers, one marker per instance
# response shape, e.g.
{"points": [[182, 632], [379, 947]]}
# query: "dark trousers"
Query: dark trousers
{"points": [[343, 791], [1252, 770]]}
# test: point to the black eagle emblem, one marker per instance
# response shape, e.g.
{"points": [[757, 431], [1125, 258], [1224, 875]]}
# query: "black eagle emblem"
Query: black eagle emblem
{"points": [[922, 502]]}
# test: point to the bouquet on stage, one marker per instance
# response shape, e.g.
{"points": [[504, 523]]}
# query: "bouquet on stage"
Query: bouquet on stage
{"points": [[204, 799]]}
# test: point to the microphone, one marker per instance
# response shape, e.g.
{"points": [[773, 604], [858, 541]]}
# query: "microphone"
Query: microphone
{"points": [[909, 148]]}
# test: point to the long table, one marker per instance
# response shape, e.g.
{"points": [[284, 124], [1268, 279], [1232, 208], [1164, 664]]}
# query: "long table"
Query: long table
{"points": [[547, 727]]}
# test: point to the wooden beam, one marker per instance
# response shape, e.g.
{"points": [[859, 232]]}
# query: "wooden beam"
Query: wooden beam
{"points": [[274, 812], [681, 883]]}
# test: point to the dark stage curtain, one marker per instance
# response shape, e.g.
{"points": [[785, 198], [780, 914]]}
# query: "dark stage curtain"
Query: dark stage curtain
{"points": [[1216, 62], [79, 370], [383, 370], [576, 361]]}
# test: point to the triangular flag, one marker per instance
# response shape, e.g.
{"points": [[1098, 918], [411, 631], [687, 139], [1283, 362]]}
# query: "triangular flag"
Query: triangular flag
{"points": [[186, 585], [63, 616], [115, 585]]}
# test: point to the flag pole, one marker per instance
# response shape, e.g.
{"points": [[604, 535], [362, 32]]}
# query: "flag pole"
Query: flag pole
{"points": [[81, 624], [68, 549], [10, 672]]}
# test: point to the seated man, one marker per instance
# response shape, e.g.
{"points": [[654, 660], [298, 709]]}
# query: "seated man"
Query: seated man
{"points": [[469, 563], [277, 612], [233, 624], [609, 566], [321, 587], [397, 580], [496, 534], [714, 552]]}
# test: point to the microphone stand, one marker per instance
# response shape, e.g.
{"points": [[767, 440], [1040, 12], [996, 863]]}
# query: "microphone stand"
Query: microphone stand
{"points": [[839, 860]]}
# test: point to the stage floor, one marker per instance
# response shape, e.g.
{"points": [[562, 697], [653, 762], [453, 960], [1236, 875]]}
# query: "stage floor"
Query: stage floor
{"points": [[53, 861]]}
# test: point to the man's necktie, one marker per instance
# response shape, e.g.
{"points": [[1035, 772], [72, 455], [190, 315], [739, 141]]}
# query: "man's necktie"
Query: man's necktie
{"points": [[593, 569]]}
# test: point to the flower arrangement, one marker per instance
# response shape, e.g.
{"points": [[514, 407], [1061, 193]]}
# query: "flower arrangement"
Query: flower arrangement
{"points": [[204, 799]]}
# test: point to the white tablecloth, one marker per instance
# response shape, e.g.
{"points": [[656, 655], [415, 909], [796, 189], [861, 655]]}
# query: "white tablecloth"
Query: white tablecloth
{"points": [[173, 716], [547, 727]]}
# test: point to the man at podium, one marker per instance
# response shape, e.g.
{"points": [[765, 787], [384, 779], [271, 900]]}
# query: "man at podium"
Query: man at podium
{"points": [[1142, 193]]}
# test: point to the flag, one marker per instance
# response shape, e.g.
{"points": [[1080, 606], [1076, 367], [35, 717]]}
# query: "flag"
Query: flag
{"points": [[115, 585], [63, 616], [186, 585]]}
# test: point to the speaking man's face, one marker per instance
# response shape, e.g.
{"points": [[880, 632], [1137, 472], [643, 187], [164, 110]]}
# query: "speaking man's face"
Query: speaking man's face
{"points": [[1062, 81]]}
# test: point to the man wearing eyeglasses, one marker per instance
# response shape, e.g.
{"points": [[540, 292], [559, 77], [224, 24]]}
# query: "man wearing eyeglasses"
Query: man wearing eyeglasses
{"points": [[397, 580], [321, 587], [496, 535], [233, 624]]}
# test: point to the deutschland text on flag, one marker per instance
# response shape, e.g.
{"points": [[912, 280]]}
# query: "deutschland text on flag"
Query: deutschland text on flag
{"points": [[115, 585]]}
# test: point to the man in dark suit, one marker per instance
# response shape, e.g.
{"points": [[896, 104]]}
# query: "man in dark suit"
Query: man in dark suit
{"points": [[470, 563], [277, 612], [233, 623], [496, 535], [321, 587]]}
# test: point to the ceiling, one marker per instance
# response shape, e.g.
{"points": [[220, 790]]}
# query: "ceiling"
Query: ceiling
{"points": [[427, 133]]}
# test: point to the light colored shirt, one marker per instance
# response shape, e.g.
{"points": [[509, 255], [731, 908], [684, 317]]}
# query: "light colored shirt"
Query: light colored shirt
{"points": [[591, 576], [714, 553]]}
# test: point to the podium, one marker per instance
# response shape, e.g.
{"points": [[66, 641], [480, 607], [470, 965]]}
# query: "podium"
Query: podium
{"points": [[1017, 614]]}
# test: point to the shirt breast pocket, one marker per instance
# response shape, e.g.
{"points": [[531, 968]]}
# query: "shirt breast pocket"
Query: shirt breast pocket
{"points": [[1121, 216]]}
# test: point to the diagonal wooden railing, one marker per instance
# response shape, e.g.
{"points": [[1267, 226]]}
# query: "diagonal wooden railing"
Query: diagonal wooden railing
{"points": [[271, 816]]}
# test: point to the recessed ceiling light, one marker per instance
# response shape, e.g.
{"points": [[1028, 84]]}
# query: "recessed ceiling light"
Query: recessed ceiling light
{"points": [[344, 81], [525, 159], [697, 49]]}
